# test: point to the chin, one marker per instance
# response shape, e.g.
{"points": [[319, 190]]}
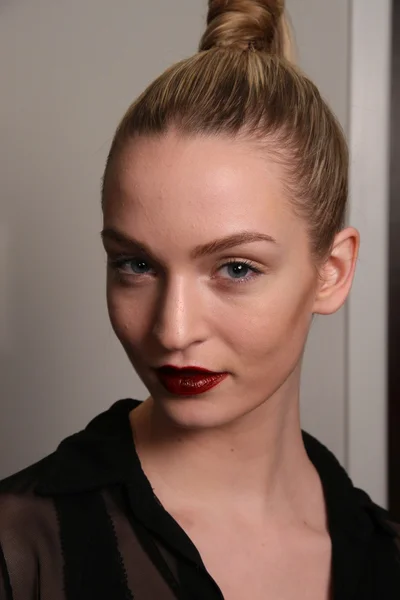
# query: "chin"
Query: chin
{"points": [[197, 412]]}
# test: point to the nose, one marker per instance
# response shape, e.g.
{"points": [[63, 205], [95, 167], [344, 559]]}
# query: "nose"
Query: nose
{"points": [[180, 316]]}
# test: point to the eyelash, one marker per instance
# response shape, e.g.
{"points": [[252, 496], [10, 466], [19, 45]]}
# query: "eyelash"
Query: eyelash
{"points": [[118, 263]]}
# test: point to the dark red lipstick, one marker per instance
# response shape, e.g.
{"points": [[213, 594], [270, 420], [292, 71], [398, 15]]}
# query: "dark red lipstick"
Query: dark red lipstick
{"points": [[188, 381]]}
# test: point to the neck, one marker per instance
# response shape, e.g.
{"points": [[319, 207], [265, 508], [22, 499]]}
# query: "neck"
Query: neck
{"points": [[258, 463]]}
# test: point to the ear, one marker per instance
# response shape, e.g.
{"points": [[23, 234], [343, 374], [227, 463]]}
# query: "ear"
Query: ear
{"points": [[337, 272]]}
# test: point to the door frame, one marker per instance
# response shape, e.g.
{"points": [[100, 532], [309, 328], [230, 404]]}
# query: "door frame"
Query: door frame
{"points": [[367, 314]]}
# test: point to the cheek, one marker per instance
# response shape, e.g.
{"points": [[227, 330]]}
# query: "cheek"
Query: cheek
{"points": [[273, 327], [127, 319]]}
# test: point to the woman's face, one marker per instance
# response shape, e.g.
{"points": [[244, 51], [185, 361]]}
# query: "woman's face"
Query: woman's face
{"points": [[173, 194]]}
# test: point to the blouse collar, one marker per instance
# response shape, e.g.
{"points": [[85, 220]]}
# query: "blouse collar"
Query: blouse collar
{"points": [[103, 454]]}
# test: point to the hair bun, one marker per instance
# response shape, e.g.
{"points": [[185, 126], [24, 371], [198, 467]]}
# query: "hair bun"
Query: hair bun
{"points": [[244, 24]]}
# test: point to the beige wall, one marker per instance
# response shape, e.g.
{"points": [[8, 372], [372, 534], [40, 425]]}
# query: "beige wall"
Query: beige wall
{"points": [[367, 309], [68, 70], [322, 31]]}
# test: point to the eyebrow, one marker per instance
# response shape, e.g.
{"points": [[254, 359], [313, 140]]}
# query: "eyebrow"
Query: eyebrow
{"points": [[218, 245]]}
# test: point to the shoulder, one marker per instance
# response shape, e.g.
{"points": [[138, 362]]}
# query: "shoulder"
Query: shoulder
{"points": [[28, 529], [352, 511], [382, 548], [22, 481], [384, 563], [383, 519], [22, 512]]}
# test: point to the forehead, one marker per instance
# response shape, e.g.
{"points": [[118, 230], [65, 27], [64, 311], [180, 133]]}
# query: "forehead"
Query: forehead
{"points": [[181, 182]]}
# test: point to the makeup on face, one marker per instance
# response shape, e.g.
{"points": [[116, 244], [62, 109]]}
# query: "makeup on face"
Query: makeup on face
{"points": [[174, 296], [188, 381]]}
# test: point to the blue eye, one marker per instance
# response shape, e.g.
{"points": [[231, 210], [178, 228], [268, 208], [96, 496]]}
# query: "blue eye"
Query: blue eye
{"points": [[238, 267], [136, 268], [121, 265]]}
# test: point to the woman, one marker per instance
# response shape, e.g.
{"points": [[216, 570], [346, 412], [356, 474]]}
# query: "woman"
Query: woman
{"points": [[224, 199]]}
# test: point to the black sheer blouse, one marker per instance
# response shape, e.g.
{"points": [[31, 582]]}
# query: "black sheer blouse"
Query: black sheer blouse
{"points": [[83, 523]]}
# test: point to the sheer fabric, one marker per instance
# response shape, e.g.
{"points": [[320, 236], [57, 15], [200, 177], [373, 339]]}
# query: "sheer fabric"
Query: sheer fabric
{"points": [[84, 523]]}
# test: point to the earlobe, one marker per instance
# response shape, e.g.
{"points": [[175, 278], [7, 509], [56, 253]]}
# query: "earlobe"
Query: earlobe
{"points": [[337, 272]]}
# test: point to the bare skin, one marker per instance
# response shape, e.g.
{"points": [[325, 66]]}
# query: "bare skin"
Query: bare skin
{"points": [[229, 465], [250, 549]]}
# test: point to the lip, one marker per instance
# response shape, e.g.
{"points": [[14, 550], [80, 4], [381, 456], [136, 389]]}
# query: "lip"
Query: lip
{"points": [[181, 370], [176, 382]]}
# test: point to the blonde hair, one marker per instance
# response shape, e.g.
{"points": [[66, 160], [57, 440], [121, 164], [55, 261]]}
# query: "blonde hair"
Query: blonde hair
{"points": [[243, 83]]}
